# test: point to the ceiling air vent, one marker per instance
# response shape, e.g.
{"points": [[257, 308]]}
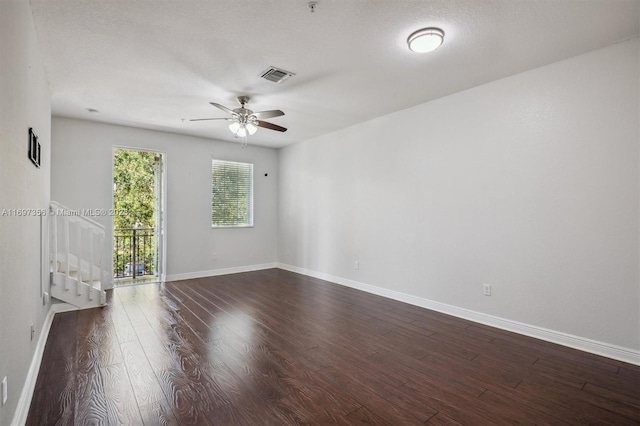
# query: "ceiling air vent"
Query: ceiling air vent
{"points": [[276, 74]]}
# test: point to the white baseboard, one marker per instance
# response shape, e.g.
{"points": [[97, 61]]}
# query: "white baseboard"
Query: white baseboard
{"points": [[22, 410], [599, 348], [224, 271]]}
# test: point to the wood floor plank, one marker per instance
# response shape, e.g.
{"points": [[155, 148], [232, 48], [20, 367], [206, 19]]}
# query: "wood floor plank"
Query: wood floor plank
{"points": [[97, 339], [54, 395], [193, 394], [442, 419], [612, 382], [418, 372], [458, 408], [124, 330], [633, 400], [603, 409], [390, 408], [185, 397], [630, 371], [143, 380], [105, 396], [273, 347], [540, 349], [521, 413], [364, 416], [158, 413], [103, 391], [157, 351]]}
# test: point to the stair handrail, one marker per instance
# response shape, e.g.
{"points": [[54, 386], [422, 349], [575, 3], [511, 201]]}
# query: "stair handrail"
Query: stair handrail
{"points": [[74, 215]]}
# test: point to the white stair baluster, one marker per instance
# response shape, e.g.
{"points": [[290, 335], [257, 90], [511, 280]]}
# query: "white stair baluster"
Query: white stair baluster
{"points": [[65, 225], [79, 257], [91, 264], [54, 242]]}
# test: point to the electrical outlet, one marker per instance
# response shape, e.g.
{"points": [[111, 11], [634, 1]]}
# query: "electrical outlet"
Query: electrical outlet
{"points": [[214, 256], [33, 331], [4, 390], [486, 289], [356, 265]]}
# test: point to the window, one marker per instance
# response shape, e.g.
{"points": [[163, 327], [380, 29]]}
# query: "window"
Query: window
{"points": [[232, 194]]}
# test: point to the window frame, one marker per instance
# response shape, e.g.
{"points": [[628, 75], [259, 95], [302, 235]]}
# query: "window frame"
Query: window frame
{"points": [[249, 223]]}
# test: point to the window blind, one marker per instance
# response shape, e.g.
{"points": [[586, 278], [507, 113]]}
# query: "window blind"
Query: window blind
{"points": [[232, 194]]}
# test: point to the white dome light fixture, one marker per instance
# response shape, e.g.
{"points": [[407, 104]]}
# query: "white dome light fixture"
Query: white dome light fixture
{"points": [[243, 125], [425, 40]]}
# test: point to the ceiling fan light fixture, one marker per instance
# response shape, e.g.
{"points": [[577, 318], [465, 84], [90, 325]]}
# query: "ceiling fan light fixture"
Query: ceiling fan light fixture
{"points": [[251, 128], [242, 132], [234, 127], [425, 40]]}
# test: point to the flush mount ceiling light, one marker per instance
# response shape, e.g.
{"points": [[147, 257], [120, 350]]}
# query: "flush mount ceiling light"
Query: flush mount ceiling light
{"points": [[425, 40]]}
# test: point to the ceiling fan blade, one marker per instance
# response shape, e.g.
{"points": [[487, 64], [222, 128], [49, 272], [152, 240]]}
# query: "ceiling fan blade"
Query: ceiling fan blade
{"points": [[205, 119], [271, 126], [268, 114], [222, 107]]}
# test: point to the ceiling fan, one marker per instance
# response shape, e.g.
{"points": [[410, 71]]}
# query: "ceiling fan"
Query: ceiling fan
{"points": [[245, 122]]}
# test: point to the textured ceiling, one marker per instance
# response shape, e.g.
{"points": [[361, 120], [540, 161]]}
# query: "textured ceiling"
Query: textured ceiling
{"points": [[150, 64]]}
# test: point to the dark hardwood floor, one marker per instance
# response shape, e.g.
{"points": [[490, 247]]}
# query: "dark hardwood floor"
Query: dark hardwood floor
{"points": [[277, 348]]}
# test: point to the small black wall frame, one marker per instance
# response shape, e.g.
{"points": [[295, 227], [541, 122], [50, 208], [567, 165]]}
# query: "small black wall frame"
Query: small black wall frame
{"points": [[34, 148]]}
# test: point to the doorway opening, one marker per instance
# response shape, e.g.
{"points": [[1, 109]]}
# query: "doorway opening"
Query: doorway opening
{"points": [[138, 225]]}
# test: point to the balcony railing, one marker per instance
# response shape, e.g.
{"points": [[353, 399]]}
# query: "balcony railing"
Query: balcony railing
{"points": [[134, 252]]}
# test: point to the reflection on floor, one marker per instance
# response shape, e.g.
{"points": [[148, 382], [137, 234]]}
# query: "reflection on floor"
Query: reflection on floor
{"points": [[127, 281]]}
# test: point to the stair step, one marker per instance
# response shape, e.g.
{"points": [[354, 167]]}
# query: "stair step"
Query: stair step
{"points": [[73, 265], [84, 280], [96, 285], [83, 294]]}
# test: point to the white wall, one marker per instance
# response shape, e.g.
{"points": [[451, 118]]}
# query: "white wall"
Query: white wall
{"points": [[24, 102], [529, 183], [81, 177]]}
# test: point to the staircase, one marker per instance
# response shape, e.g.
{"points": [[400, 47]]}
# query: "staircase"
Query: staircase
{"points": [[77, 244]]}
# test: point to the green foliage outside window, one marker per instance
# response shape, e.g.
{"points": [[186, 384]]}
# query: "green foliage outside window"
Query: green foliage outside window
{"points": [[134, 195]]}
